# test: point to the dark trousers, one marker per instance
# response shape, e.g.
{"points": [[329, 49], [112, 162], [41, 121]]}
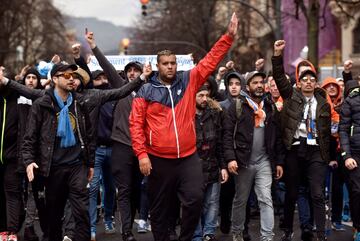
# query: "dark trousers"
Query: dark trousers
{"points": [[354, 192], [62, 184], [2, 200], [337, 194], [227, 193], [127, 179], [170, 179], [38, 190], [144, 201], [309, 164], [13, 188]]}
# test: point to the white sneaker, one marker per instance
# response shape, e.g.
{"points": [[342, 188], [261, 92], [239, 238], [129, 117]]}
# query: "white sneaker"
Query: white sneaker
{"points": [[66, 238], [142, 226]]}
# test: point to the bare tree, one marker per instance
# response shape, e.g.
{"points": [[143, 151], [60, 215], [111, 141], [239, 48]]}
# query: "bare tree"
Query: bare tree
{"points": [[36, 26]]}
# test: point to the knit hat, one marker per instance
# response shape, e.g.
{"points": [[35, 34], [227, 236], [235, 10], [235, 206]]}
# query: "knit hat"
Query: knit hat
{"points": [[34, 72], [203, 87]]}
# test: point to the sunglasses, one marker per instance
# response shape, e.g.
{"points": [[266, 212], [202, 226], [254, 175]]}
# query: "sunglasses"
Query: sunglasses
{"points": [[306, 79], [65, 75]]}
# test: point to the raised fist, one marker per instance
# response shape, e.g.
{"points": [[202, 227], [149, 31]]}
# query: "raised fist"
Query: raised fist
{"points": [[279, 46], [230, 65], [76, 50], [259, 64], [348, 65], [89, 36]]}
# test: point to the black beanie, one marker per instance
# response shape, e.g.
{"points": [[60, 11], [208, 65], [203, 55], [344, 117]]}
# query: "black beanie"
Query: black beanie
{"points": [[34, 72]]}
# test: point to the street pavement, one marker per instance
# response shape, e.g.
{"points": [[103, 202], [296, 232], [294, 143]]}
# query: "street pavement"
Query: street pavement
{"points": [[254, 227]]}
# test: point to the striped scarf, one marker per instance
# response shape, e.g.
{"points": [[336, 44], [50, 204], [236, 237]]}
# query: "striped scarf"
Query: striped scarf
{"points": [[260, 114]]}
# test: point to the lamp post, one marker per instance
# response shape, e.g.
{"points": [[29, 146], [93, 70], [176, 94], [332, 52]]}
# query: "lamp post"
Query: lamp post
{"points": [[125, 42]]}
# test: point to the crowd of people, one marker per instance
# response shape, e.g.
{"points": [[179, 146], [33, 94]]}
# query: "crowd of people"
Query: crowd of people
{"points": [[177, 145]]}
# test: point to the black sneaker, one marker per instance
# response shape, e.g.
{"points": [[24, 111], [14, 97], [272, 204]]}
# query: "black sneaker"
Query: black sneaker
{"points": [[307, 234], [246, 235], [173, 236], [128, 236], [30, 235], [321, 237], [209, 237], [287, 236], [225, 225]]}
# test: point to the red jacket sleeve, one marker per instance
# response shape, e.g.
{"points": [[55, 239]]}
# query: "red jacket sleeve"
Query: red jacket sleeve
{"points": [[137, 125], [208, 64]]}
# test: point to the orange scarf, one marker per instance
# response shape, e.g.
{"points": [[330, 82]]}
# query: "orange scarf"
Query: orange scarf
{"points": [[260, 114]]}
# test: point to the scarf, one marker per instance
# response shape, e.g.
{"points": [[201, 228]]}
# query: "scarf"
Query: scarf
{"points": [[260, 114], [64, 130]]}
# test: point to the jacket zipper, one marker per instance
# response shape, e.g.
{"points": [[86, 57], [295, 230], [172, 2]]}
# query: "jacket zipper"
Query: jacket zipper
{"points": [[175, 126], [78, 127], [3, 132], [150, 137]]}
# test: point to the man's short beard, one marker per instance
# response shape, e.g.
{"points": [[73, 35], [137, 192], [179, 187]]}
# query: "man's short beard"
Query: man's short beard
{"points": [[257, 94], [201, 107]]}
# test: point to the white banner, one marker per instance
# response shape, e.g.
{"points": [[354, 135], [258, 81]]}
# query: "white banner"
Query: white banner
{"points": [[184, 62]]}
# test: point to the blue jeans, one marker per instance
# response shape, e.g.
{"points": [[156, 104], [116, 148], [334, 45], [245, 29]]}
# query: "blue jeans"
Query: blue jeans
{"points": [[207, 223], [102, 169], [260, 175]]}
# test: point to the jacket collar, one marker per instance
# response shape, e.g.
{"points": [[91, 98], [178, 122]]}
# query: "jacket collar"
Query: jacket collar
{"points": [[155, 81], [48, 99]]}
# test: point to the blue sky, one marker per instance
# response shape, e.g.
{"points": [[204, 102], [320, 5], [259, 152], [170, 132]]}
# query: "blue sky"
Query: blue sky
{"points": [[119, 12]]}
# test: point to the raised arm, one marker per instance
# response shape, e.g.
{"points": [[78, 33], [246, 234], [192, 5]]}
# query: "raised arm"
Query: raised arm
{"points": [[32, 94], [114, 78], [347, 75], [282, 83], [208, 64], [119, 93]]}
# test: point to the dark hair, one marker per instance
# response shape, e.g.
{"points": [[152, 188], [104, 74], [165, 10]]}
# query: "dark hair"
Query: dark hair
{"points": [[165, 52]]}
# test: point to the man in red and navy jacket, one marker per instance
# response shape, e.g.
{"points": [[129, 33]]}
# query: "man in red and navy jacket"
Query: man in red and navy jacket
{"points": [[163, 136]]}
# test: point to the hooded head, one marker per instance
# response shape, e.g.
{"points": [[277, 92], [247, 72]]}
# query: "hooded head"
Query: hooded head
{"points": [[349, 86], [234, 77], [301, 67], [100, 80], [133, 70], [333, 89]]}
